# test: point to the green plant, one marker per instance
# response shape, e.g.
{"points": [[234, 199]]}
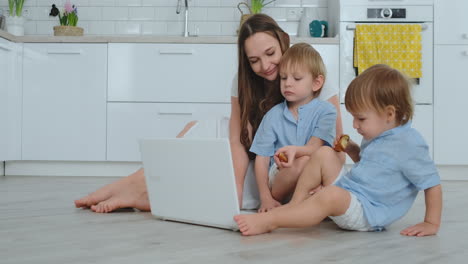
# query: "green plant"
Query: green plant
{"points": [[15, 7], [257, 5], [70, 14]]}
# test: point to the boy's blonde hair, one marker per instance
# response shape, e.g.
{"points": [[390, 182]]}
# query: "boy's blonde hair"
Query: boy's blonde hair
{"points": [[378, 87], [303, 55]]}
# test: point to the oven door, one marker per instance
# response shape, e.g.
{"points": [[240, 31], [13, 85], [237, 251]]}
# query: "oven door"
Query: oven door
{"points": [[422, 92]]}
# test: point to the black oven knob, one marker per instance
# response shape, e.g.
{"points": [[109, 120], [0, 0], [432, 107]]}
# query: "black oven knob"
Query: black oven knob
{"points": [[386, 13]]}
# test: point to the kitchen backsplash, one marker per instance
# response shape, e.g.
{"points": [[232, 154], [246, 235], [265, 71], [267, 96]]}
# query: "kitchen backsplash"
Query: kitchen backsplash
{"points": [[158, 17]]}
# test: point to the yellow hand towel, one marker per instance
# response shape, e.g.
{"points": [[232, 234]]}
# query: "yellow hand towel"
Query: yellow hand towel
{"points": [[397, 45]]}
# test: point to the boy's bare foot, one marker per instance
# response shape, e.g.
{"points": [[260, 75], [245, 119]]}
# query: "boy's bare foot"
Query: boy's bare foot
{"points": [[127, 192], [254, 224]]}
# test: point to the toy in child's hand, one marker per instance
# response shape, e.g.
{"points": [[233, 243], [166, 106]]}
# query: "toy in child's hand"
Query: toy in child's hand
{"points": [[282, 157], [342, 143]]}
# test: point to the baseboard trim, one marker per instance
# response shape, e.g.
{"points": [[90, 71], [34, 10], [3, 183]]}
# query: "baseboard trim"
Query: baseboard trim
{"points": [[108, 168]]}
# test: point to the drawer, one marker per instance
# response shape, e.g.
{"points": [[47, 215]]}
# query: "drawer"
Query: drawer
{"points": [[128, 122], [171, 72]]}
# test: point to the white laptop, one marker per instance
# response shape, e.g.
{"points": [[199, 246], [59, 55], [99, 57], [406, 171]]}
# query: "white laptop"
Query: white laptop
{"points": [[191, 180]]}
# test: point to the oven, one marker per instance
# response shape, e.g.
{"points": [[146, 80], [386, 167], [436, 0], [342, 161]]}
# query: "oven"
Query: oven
{"points": [[354, 12]]}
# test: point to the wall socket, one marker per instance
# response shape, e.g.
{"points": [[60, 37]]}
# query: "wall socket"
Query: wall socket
{"points": [[294, 13]]}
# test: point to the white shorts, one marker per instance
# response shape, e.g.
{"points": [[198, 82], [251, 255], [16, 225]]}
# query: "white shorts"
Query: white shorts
{"points": [[272, 174], [353, 218]]}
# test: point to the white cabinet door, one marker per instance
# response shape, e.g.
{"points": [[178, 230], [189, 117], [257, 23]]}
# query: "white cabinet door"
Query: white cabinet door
{"points": [[64, 101], [171, 72], [10, 100], [451, 21], [422, 121], [128, 122], [5, 50], [450, 104]]}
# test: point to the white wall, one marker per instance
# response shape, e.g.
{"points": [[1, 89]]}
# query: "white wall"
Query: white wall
{"points": [[158, 17]]}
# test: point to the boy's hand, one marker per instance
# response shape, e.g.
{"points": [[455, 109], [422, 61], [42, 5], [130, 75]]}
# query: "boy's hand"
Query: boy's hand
{"points": [[267, 205], [289, 152], [421, 229]]}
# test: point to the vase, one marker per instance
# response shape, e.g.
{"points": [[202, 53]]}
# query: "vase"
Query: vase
{"points": [[15, 25], [68, 31]]}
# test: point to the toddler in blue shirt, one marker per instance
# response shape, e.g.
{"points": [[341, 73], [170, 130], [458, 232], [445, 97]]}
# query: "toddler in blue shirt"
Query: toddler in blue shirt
{"points": [[302, 122], [391, 166]]}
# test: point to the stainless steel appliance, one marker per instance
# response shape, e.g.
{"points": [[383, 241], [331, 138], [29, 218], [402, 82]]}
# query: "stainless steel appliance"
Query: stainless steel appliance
{"points": [[354, 12]]}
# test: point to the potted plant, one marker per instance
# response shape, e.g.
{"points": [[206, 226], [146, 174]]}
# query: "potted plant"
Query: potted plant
{"points": [[258, 5], [15, 19], [68, 20]]}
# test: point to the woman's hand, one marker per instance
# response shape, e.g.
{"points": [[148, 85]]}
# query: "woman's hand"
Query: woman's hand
{"points": [[268, 204], [289, 152], [421, 229]]}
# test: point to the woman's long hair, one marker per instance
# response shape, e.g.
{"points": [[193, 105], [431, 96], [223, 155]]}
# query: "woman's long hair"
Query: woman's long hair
{"points": [[255, 98]]}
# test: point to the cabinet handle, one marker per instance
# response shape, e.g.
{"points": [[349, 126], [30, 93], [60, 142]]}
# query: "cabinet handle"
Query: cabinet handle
{"points": [[179, 51], [176, 113], [64, 52], [5, 47], [465, 36], [465, 53]]}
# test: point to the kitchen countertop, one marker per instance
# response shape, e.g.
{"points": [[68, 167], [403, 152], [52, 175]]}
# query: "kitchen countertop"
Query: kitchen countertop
{"points": [[149, 39]]}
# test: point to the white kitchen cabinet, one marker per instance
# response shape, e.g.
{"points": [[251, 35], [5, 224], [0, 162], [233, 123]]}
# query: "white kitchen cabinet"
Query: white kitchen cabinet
{"points": [[450, 106], [64, 102], [451, 22], [129, 122], [10, 100], [422, 121], [5, 50], [171, 72], [450, 82]]}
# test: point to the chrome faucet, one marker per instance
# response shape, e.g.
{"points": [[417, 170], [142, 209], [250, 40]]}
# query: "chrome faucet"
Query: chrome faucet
{"points": [[186, 33]]}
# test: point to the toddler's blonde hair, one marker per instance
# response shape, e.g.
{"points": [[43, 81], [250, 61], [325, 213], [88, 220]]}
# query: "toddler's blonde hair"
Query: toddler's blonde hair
{"points": [[378, 87], [303, 55]]}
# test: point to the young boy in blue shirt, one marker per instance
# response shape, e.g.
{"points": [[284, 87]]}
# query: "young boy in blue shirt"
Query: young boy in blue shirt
{"points": [[392, 166], [301, 121]]}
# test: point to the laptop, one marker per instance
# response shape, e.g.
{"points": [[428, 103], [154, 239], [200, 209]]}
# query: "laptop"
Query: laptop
{"points": [[191, 180]]}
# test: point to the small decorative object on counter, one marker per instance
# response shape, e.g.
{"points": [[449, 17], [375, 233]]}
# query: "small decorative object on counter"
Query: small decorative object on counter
{"points": [[68, 20], [257, 5], [255, 8], [15, 20], [318, 29]]}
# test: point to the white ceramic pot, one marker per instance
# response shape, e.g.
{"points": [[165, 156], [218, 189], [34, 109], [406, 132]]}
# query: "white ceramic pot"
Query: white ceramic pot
{"points": [[15, 25]]}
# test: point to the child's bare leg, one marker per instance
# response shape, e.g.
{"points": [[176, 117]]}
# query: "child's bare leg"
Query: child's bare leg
{"points": [[286, 179], [127, 192], [331, 201], [322, 169]]}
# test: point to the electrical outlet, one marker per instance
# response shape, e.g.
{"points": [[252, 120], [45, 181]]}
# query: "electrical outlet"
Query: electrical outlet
{"points": [[26, 13], [293, 13]]}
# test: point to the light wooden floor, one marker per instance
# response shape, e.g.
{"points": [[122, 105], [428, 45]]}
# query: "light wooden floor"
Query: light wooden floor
{"points": [[39, 224]]}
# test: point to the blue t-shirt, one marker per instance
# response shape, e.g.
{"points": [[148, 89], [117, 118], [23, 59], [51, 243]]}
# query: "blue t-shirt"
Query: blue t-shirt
{"points": [[393, 167], [279, 128]]}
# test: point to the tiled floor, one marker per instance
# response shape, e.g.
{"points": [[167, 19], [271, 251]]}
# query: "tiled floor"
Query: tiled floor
{"points": [[39, 224]]}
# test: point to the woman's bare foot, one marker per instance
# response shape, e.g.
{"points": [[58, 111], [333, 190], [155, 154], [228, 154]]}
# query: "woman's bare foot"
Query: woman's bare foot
{"points": [[254, 224], [127, 192]]}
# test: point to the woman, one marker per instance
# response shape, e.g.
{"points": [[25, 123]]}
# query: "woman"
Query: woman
{"points": [[261, 44]]}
